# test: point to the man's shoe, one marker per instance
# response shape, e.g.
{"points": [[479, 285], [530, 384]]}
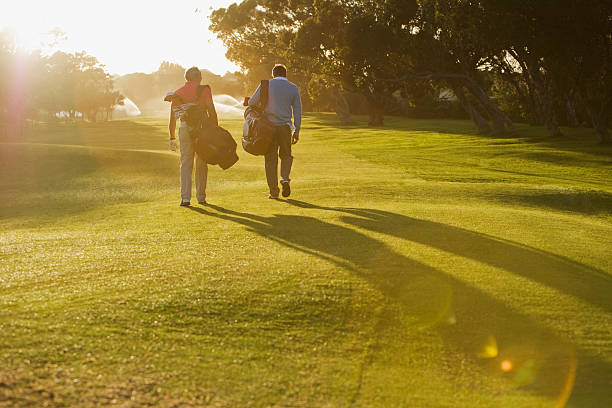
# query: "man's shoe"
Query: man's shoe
{"points": [[273, 197], [202, 202], [185, 203], [286, 188]]}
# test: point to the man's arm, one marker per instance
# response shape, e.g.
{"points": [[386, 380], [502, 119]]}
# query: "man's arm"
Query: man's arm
{"points": [[172, 125], [173, 145], [297, 116], [254, 100]]}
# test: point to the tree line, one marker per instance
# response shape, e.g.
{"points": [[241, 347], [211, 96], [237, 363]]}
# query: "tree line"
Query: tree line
{"points": [[544, 62], [61, 85]]}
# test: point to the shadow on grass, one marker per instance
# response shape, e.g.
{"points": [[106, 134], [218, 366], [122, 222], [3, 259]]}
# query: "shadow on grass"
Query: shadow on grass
{"points": [[584, 202], [56, 180], [450, 126], [578, 140], [587, 283], [418, 295], [474, 166]]}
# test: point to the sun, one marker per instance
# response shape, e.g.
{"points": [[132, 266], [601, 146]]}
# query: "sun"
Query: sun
{"points": [[120, 34]]}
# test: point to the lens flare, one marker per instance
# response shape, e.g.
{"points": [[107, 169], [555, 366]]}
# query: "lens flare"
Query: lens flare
{"points": [[525, 374], [451, 318], [506, 366], [527, 364], [490, 350], [568, 386]]}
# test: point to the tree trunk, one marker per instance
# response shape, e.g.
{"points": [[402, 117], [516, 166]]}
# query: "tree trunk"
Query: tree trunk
{"points": [[479, 121], [604, 135], [534, 80], [500, 120], [342, 108], [534, 102], [548, 109], [600, 119], [531, 108], [498, 123], [571, 113], [536, 107], [544, 96], [377, 116], [376, 111]]}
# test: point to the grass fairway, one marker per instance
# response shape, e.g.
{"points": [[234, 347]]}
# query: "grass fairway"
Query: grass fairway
{"points": [[419, 265]]}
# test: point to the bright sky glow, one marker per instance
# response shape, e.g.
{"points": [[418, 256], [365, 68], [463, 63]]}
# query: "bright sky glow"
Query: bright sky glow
{"points": [[125, 35]]}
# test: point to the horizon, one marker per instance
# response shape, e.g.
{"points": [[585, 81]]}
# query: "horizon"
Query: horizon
{"points": [[153, 44]]}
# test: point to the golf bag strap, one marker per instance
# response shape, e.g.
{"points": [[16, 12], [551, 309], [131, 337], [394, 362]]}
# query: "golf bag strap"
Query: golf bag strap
{"points": [[200, 90], [264, 89]]}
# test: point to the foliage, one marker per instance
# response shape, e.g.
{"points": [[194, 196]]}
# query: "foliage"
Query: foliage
{"points": [[550, 60], [349, 43], [61, 84]]}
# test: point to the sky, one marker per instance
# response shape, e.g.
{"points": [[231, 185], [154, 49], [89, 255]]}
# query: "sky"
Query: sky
{"points": [[125, 35]]}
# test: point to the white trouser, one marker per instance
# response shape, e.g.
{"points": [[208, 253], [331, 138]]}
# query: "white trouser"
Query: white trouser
{"points": [[201, 172]]}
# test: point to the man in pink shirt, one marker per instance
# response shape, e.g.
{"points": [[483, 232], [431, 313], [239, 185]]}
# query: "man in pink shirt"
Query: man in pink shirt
{"points": [[182, 98]]}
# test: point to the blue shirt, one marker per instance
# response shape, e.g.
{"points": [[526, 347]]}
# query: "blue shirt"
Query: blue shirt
{"points": [[283, 102]]}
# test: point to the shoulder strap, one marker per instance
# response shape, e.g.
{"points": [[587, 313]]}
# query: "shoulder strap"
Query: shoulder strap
{"points": [[263, 97], [200, 90]]}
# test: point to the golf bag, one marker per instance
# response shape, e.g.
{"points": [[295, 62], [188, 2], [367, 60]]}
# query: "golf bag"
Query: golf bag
{"points": [[258, 131], [215, 145], [212, 143]]}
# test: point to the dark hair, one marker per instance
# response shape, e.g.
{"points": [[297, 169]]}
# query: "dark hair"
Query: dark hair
{"points": [[193, 74], [279, 70]]}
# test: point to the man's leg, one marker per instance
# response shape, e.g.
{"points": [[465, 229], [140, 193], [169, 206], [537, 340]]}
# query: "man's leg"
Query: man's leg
{"points": [[271, 159], [187, 155], [201, 175], [284, 142]]}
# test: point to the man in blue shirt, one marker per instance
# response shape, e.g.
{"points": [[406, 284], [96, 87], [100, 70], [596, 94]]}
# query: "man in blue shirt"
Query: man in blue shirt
{"points": [[283, 103]]}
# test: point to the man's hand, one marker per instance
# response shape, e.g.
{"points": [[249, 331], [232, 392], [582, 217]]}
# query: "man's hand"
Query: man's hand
{"points": [[296, 136], [173, 145]]}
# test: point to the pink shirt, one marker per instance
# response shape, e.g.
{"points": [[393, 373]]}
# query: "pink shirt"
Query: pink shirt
{"points": [[188, 93]]}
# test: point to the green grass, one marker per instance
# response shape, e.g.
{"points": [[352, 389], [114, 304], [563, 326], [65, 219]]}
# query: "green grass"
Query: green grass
{"points": [[418, 265]]}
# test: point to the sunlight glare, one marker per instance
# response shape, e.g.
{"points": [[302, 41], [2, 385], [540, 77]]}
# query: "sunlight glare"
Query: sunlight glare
{"points": [[134, 36]]}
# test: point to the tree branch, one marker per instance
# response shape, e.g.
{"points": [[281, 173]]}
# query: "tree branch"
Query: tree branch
{"points": [[422, 76]]}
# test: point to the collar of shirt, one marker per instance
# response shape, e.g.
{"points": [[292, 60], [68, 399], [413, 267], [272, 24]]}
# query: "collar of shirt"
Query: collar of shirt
{"points": [[281, 78]]}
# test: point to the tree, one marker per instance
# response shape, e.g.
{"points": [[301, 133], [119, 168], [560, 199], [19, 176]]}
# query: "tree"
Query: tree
{"points": [[370, 47], [335, 40], [549, 60], [561, 51], [359, 44], [258, 35], [169, 76], [61, 84]]}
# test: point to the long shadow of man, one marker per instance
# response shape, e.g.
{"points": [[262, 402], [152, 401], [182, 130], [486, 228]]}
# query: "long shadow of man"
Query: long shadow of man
{"points": [[417, 295], [587, 283]]}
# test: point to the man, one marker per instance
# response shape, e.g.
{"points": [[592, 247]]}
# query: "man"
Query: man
{"points": [[283, 103], [182, 99]]}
